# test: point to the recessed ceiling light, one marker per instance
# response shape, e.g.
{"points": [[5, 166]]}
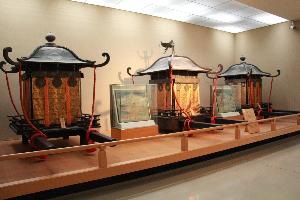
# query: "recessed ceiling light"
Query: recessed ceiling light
{"points": [[248, 24], [231, 6], [167, 13], [226, 15], [230, 28], [268, 18], [166, 3], [191, 8], [209, 22], [210, 3]]}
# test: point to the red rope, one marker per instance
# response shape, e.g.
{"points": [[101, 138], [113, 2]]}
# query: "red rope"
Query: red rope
{"points": [[32, 138], [250, 83], [93, 109], [68, 102], [25, 97], [213, 117], [258, 93], [88, 132], [10, 95], [187, 124], [252, 93], [38, 132], [259, 111], [165, 96], [269, 100], [249, 92], [177, 102], [46, 104]]}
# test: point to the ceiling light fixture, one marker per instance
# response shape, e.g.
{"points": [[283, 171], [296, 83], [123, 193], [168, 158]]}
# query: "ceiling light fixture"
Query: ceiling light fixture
{"points": [[226, 15], [268, 18], [230, 28], [192, 8]]}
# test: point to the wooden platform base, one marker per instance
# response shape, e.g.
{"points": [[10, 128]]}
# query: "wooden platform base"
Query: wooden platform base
{"points": [[131, 133], [24, 173]]}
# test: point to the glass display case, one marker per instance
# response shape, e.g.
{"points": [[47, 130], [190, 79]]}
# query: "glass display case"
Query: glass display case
{"points": [[228, 98], [133, 105]]}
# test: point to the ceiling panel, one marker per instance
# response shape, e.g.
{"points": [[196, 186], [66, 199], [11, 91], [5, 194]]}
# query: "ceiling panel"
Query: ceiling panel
{"points": [[192, 8], [209, 22], [230, 6], [210, 3], [226, 15], [249, 24], [247, 12], [267, 18]]}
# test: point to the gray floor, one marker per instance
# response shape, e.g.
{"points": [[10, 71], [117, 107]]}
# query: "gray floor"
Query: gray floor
{"points": [[270, 171]]}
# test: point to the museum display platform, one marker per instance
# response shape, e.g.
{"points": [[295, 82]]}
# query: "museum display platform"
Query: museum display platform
{"points": [[22, 172]]}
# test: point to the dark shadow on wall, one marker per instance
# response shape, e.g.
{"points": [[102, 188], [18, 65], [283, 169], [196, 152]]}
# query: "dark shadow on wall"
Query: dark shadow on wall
{"points": [[146, 56]]}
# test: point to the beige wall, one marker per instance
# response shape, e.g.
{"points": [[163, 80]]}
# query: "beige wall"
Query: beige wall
{"points": [[129, 37], [90, 30], [271, 48]]}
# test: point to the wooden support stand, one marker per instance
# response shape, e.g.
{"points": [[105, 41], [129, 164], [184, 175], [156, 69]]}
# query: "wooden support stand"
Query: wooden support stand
{"points": [[184, 143], [102, 158], [120, 134], [237, 131], [273, 125]]}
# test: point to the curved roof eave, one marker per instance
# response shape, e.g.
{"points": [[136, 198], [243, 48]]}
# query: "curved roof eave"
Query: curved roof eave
{"points": [[67, 57], [243, 69], [180, 63]]}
